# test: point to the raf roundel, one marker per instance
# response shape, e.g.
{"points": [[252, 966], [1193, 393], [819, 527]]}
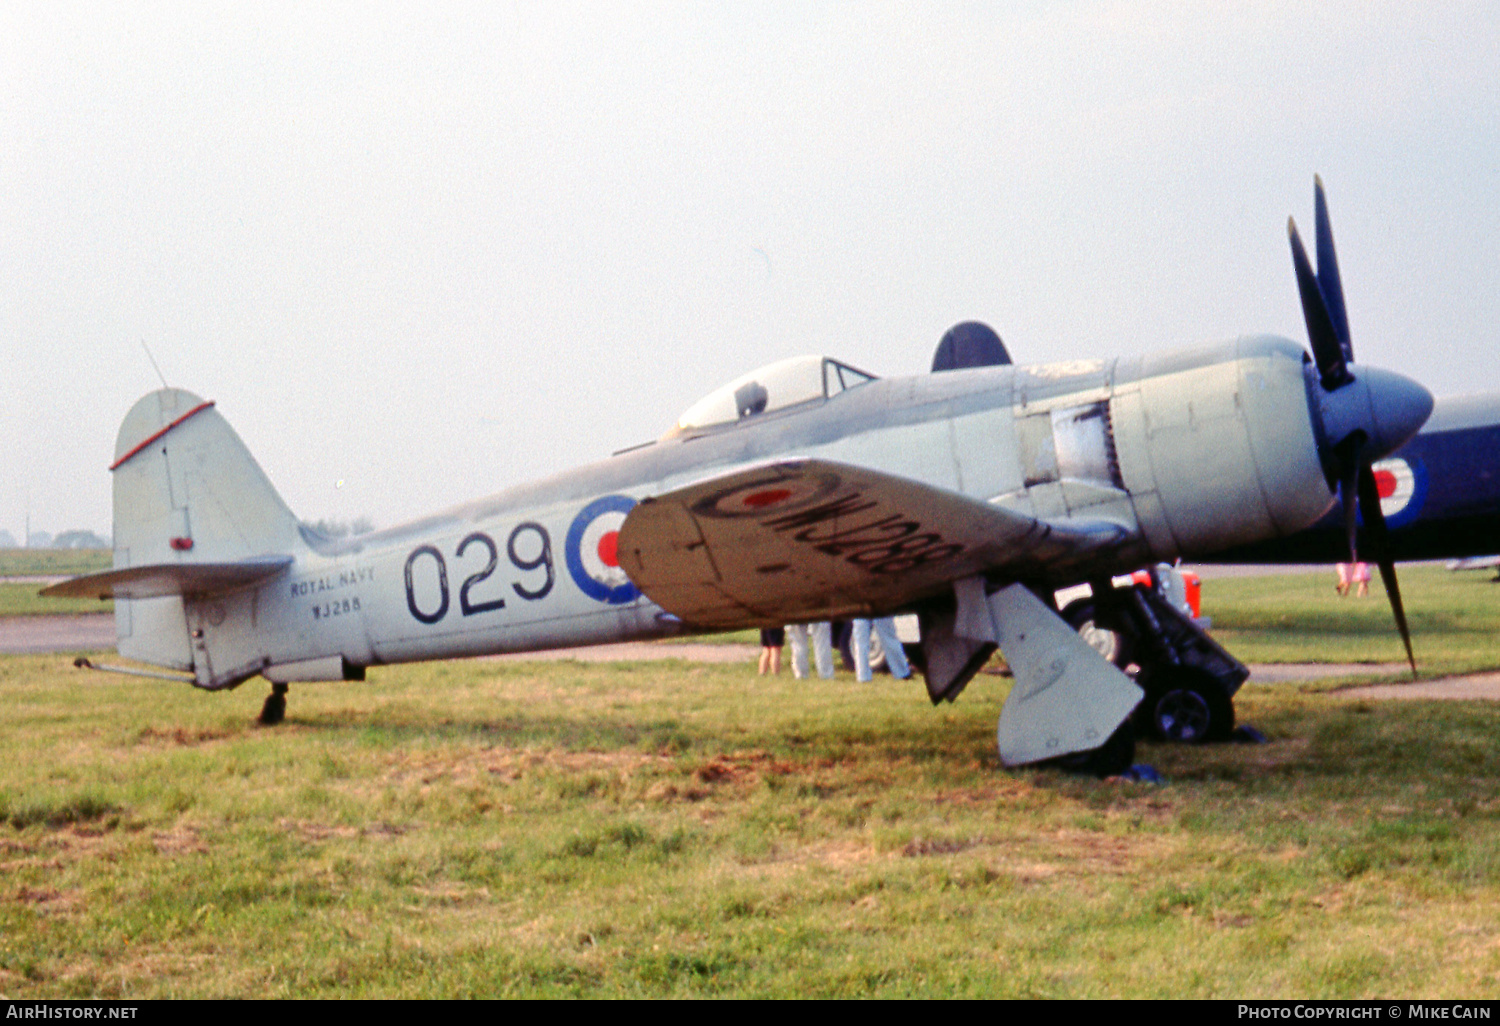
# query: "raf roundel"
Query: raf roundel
{"points": [[592, 550], [1402, 487], [777, 493]]}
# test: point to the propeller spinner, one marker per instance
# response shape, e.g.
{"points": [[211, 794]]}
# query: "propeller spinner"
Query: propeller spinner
{"points": [[1364, 412]]}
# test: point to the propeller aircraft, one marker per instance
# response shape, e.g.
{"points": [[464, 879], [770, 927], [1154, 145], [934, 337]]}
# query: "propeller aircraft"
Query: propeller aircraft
{"points": [[806, 490]]}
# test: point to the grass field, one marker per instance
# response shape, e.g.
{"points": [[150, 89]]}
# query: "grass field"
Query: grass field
{"points": [[23, 600], [18, 599], [1454, 619], [30, 562], [668, 829]]}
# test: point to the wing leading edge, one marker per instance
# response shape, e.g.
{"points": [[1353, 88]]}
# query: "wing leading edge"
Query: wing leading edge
{"points": [[814, 539]]}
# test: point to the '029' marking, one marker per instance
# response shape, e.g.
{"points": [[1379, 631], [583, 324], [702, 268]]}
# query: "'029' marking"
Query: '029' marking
{"points": [[473, 598]]}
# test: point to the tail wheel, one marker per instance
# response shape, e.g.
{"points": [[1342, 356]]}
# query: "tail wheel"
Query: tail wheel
{"points": [[274, 710]]}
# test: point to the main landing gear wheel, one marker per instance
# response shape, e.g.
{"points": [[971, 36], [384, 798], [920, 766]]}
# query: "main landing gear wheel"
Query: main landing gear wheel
{"points": [[1110, 759], [1185, 706], [274, 711]]}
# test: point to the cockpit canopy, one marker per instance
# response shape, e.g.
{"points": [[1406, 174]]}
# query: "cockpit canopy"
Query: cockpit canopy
{"points": [[776, 386]]}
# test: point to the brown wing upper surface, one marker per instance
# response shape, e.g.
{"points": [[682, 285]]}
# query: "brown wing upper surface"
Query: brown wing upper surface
{"points": [[814, 539]]}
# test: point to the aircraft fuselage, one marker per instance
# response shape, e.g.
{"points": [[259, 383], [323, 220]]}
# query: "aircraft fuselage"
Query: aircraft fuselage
{"points": [[1186, 452]]}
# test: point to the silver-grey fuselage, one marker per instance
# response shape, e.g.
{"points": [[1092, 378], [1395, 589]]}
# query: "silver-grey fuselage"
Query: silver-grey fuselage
{"points": [[1187, 451]]}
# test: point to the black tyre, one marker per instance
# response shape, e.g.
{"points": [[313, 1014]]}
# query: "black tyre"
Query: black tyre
{"points": [[274, 710], [1186, 706], [1110, 643], [1113, 757]]}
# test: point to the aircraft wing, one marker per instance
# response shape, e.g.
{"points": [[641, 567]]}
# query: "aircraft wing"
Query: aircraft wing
{"points": [[1474, 563], [139, 582], [813, 539]]}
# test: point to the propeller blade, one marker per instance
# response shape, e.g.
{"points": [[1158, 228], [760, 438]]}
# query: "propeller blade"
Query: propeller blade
{"points": [[1329, 282], [1346, 461], [1375, 533], [1328, 352], [1348, 487]]}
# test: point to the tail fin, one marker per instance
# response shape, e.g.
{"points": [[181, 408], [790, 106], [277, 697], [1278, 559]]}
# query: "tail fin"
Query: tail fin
{"points": [[187, 490], [193, 506]]}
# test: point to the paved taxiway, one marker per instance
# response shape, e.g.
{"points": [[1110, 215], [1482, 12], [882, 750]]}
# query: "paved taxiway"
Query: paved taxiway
{"points": [[95, 632]]}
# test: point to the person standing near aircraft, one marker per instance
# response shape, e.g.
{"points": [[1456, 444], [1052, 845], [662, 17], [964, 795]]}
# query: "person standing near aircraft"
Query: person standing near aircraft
{"points": [[895, 654], [771, 640], [822, 645]]}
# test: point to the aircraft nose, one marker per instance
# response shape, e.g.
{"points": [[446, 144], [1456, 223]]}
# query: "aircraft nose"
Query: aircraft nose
{"points": [[1386, 407]]}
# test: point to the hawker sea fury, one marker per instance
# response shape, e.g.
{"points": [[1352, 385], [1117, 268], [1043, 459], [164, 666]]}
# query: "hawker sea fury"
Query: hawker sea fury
{"points": [[806, 490]]}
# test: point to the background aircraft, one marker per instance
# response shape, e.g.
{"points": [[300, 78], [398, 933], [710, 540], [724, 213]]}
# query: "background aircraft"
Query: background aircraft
{"points": [[806, 490]]}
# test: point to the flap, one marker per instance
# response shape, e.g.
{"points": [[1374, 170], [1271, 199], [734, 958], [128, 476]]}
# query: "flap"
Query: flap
{"points": [[813, 539], [162, 579]]}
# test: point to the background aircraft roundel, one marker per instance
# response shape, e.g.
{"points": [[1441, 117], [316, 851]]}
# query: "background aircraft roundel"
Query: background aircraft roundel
{"points": [[1402, 487], [592, 550]]}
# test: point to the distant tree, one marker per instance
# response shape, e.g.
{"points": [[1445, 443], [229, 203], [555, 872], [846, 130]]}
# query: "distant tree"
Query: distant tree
{"points": [[7, 540], [341, 528], [78, 539], [39, 540]]}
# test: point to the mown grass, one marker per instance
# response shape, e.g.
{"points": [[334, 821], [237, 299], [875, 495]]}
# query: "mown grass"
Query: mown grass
{"points": [[49, 562], [1454, 619], [23, 600], [665, 829], [18, 599]]}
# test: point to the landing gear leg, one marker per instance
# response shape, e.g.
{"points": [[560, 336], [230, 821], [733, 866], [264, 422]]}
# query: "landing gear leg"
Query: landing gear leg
{"points": [[274, 711]]}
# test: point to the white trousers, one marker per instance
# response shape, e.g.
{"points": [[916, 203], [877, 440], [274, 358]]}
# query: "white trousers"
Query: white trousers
{"points": [[822, 644]]}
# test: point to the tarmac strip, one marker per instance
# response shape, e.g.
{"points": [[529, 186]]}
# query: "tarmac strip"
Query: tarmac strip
{"points": [[95, 632], [36, 635], [1460, 689]]}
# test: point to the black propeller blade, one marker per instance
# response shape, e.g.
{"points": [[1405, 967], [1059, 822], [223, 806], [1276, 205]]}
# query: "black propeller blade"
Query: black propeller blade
{"points": [[1348, 463], [1329, 282], [1375, 533], [1349, 458], [1328, 350]]}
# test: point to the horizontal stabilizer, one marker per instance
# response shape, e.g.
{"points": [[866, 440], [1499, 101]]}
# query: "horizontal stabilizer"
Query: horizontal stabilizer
{"points": [[813, 539], [163, 579]]}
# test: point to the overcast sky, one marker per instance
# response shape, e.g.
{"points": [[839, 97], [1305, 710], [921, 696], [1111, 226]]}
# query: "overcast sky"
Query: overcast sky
{"points": [[419, 253]]}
